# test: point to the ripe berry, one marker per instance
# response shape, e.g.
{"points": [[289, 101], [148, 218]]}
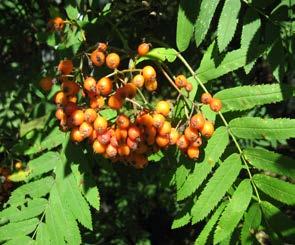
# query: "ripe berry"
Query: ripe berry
{"points": [[206, 98], [151, 85], [123, 122], [97, 58], [72, 99], [114, 142], [197, 121], [143, 49], [189, 87], [162, 141], [165, 129], [70, 107], [96, 102], [102, 47], [180, 81], [197, 142], [86, 129], [46, 83], [182, 142], [60, 98], [89, 84], [113, 60], [138, 80], [111, 151], [163, 107], [90, 115], [115, 102], [121, 134], [104, 138], [130, 90], [18, 165], [104, 86], [77, 117], [70, 88], [65, 67], [149, 73], [193, 152], [58, 23], [208, 129], [98, 147], [173, 136], [76, 135], [158, 120], [215, 104], [191, 134], [100, 124], [93, 136], [134, 132], [151, 134], [132, 144], [60, 114], [124, 150]]}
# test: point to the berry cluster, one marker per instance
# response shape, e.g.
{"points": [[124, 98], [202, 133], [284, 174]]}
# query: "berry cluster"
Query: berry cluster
{"points": [[128, 138]]}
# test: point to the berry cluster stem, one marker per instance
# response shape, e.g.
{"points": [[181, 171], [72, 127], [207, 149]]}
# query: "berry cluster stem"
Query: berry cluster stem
{"points": [[182, 59]]}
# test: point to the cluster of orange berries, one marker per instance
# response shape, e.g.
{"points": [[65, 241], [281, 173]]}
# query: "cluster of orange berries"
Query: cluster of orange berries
{"points": [[129, 139], [56, 24]]}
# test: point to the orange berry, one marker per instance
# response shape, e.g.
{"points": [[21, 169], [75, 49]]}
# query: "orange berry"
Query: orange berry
{"points": [[132, 144], [96, 102], [70, 87], [89, 84], [104, 86], [60, 114], [149, 73], [114, 142], [73, 99], [162, 141], [76, 135], [138, 80], [77, 117], [102, 47], [189, 87], [58, 23], [93, 136], [121, 134], [90, 115], [112, 60], [151, 85], [173, 136], [130, 90], [215, 104], [123, 121], [165, 129], [163, 107], [70, 107], [208, 129], [151, 134], [180, 81], [115, 102], [46, 83], [86, 129], [65, 67], [134, 132], [18, 165], [100, 124], [158, 120], [182, 142], [143, 49], [197, 121], [98, 147], [60, 98], [104, 138], [111, 151], [206, 98], [197, 142], [124, 150], [97, 58], [193, 152], [191, 134]]}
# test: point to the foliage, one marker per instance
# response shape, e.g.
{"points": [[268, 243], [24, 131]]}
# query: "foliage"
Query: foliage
{"points": [[241, 186]]}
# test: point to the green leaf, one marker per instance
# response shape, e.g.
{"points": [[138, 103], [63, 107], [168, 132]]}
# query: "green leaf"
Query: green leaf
{"points": [[33, 208], [216, 187], [38, 188], [42, 237], [19, 176], [246, 97], [270, 161], [227, 23], [277, 189], [278, 221], [185, 23], [108, 114], [72, 12], [234, 211], [159, 54], [203, 21], [61, 223], [38, 123], [276, 57], [251, 223], [183, 217], [20, 240], [213, 151], [259, 128], [17, 230], [202, 238], [43, 164], [156, 157]]}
